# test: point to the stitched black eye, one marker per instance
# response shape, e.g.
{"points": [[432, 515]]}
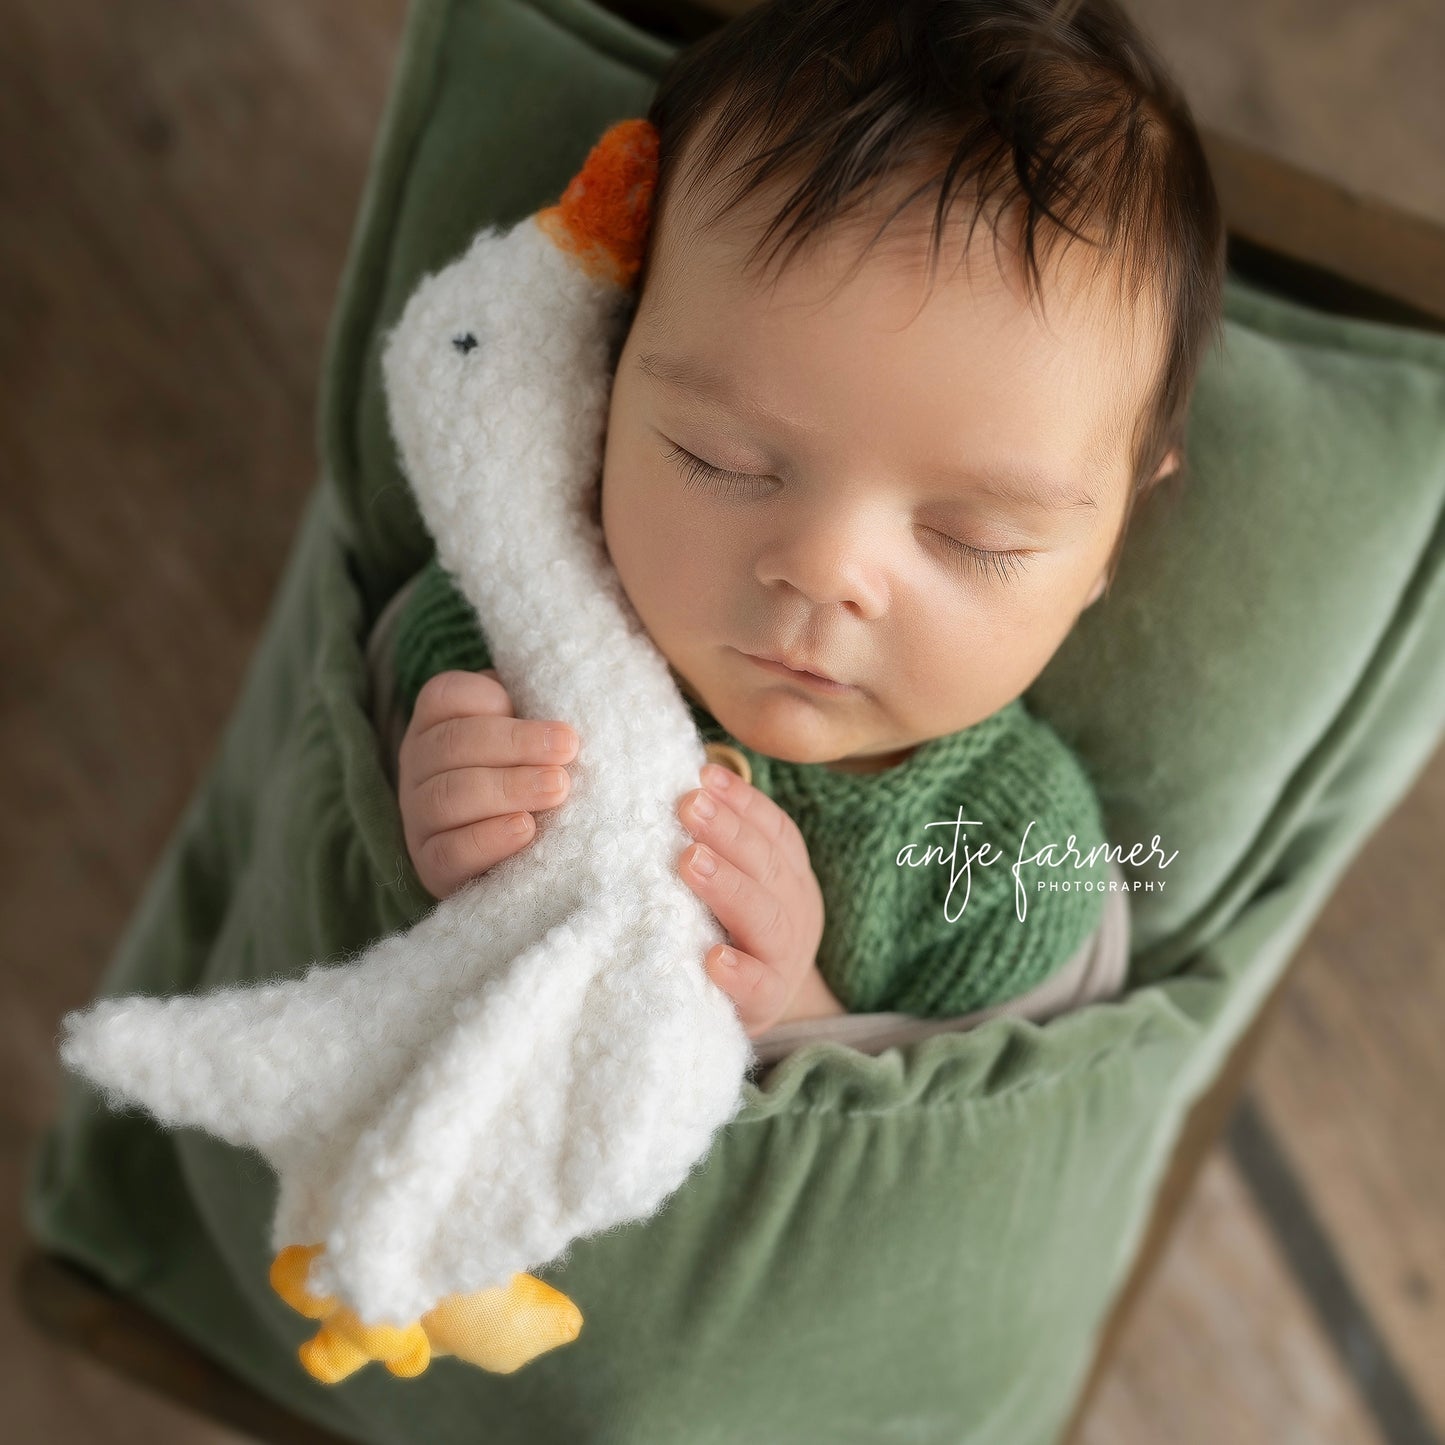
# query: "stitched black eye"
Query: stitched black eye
{"points": [[464, 342]]}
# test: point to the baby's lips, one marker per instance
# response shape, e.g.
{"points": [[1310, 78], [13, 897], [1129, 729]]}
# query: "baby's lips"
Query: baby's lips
{"points": [[604, 214]]}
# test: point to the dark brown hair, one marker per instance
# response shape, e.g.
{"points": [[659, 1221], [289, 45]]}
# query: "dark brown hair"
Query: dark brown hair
{"points": [[1055, 113]]}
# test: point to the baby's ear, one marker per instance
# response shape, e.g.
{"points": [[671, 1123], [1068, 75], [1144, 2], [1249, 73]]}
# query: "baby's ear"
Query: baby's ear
{"points": [[1170, 464]]}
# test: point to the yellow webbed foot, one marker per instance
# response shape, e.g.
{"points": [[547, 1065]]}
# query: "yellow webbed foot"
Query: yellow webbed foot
{"points": [[500, 1329], [343, 1344], [329, 1356], [403, 1349], [288, 1279]]}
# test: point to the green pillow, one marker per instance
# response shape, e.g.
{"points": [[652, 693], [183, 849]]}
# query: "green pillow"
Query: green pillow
{"points": [[1220, 676]]}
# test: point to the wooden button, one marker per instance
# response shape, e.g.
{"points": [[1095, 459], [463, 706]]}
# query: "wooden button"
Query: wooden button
{"points": [[729, 758]]}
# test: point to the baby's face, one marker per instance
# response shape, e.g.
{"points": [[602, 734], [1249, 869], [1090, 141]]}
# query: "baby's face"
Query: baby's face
{"points": [[916, 504]]}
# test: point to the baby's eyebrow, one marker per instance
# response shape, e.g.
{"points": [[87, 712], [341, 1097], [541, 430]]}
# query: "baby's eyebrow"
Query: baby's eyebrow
{"points": [[1014, 482], [686, 373], [1011, 482]]}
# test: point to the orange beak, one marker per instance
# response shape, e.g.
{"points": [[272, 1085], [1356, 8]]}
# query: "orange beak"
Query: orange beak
{"points": [[603, 216]]}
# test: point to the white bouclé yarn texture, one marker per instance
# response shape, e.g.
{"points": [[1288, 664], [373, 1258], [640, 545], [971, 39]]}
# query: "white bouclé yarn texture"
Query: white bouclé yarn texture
{"points": [[542, 1056]]}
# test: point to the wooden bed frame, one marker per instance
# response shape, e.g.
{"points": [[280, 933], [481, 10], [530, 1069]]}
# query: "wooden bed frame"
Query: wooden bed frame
{"points": [[1289, 230]]}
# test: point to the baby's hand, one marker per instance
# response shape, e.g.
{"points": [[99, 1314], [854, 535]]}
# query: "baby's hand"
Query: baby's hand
{"points": [[764, 892], [470, 774]]}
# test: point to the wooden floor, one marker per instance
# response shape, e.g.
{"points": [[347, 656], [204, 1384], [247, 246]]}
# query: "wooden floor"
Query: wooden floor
{"points": [[179, 183]]}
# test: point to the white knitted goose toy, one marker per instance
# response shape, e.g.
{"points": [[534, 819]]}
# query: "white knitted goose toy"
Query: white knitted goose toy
{"points": [[542, 1056]]}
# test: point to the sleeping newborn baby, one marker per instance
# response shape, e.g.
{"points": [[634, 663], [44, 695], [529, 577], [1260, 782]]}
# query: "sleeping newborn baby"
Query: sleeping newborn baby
{"points": [[858, 503]]}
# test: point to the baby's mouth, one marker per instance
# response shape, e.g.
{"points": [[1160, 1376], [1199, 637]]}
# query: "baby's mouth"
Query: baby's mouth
{"points": [[815, 680]]}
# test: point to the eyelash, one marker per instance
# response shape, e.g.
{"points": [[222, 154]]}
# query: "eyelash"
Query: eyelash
{"points": [[698, 473]]}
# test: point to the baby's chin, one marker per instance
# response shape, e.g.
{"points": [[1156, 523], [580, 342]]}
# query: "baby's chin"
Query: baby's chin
{"points": [[790, 729]]}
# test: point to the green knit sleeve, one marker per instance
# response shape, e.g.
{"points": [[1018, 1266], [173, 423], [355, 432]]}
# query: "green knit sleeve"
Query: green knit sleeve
{"points": [[437, 630], [985, 954]]}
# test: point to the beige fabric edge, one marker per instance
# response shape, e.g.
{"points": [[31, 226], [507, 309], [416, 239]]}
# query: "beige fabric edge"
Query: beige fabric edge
{"points": [[1097, 970]]}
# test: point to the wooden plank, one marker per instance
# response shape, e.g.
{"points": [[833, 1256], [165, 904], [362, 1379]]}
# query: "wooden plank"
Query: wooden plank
{"points": [[1222, 1346], [76, 1308], [1337, 231], [1352, 1081]]}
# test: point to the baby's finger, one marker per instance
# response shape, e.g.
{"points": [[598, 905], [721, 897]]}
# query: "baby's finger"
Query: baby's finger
{"points": [[459, 693], [486, 741], [447, 860], [459, 796], [759, 992], [759, 811], [751, 913], [738, 839]]}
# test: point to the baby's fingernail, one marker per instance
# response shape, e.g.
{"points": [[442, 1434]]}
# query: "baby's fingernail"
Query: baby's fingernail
{"points": [[717, 776], [703, 862], [557, 740], [727, 958]]}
